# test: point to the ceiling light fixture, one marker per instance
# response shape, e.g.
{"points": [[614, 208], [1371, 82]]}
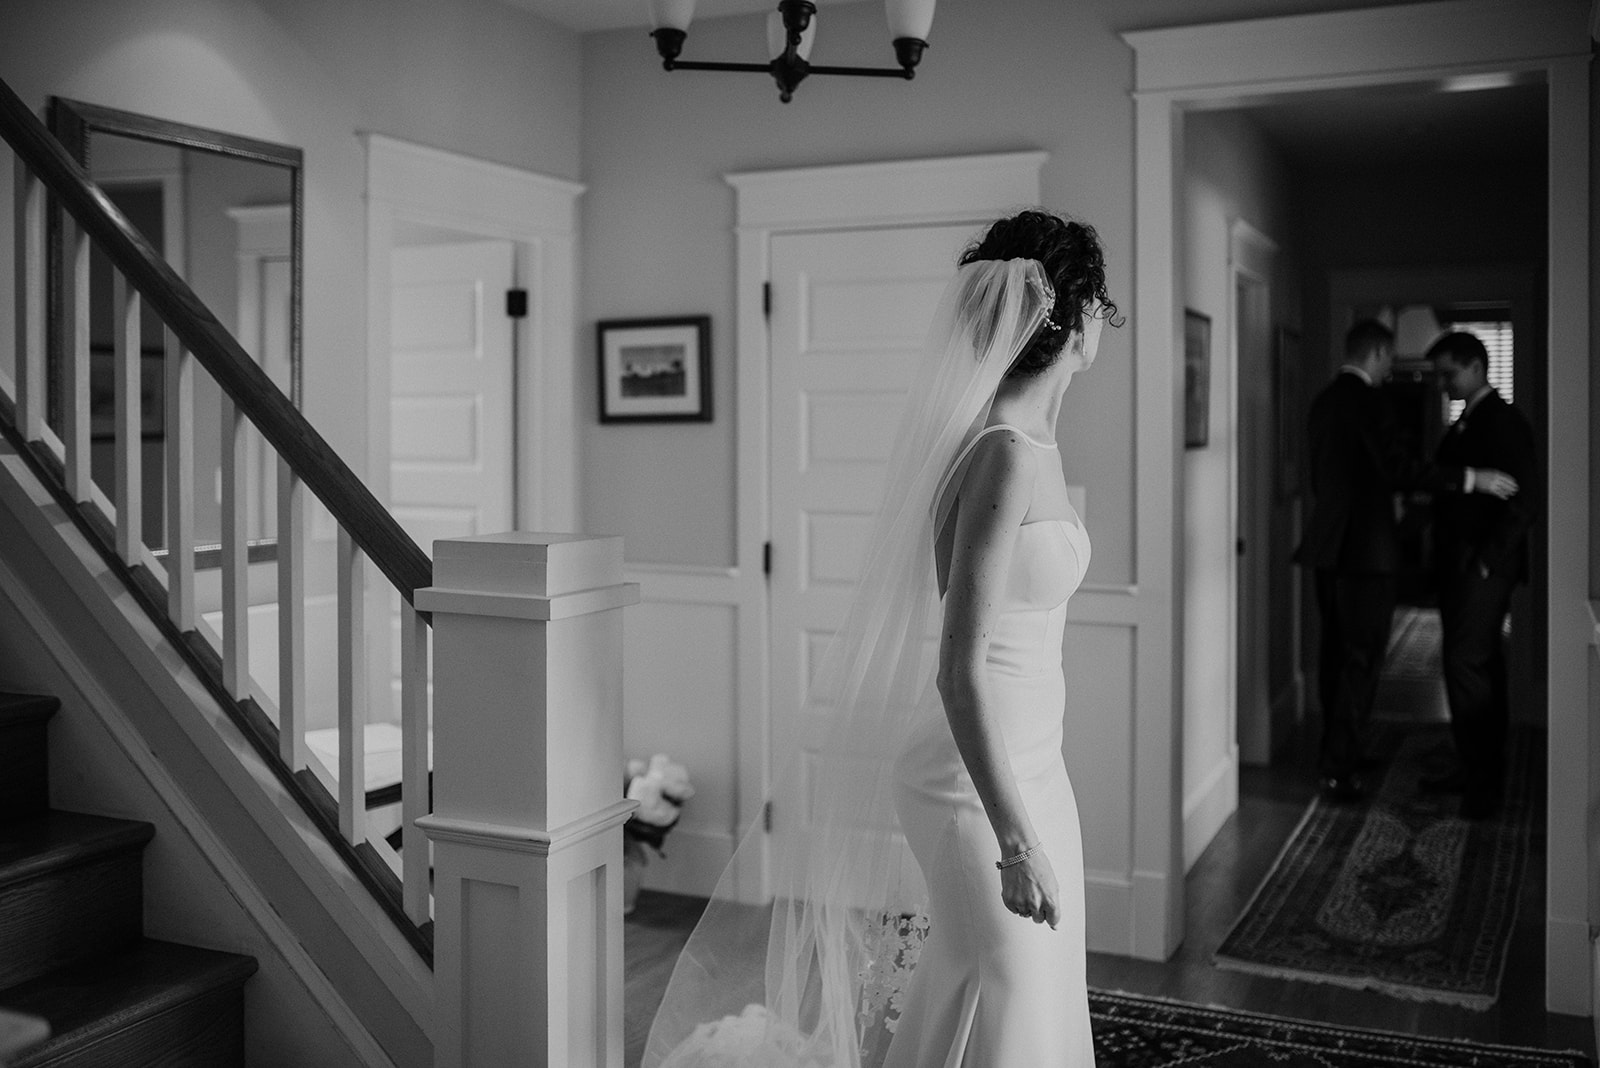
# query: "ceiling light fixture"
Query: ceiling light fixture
{"points": [[790, 32]]}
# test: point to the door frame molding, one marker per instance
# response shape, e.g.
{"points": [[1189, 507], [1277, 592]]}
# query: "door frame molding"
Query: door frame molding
{"points": [[1231, 64], [920, 192], [411, 183]]}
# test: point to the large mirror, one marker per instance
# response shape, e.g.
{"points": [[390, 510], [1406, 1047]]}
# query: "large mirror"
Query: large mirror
{"points": [[225, 212]]}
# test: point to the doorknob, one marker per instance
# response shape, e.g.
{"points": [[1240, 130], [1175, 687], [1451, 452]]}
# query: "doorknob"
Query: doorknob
{"points": [[1238, 546]]}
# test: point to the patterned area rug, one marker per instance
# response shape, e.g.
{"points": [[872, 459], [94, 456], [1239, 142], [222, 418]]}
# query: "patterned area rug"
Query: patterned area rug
{"points": [[1135, 1032], [1398, 894]]}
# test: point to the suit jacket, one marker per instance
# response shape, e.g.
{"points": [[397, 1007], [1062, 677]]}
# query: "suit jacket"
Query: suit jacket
{"points": [[1357, 462], [1477, 528]]}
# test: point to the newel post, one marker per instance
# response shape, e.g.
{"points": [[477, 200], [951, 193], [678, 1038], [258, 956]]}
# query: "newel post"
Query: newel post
{"points": [[527, 802]]}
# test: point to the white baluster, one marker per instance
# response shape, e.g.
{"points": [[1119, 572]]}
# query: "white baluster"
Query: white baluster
{"points": [[180, 483], [75, 377], [352, 692], [28, 213], [235, 560], [291, 618], [128, 364], [415, 758]]}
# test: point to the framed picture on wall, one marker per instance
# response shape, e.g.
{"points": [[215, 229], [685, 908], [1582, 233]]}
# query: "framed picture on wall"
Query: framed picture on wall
{"points": [[655, 370], [1196, 379], [1289, 374]]}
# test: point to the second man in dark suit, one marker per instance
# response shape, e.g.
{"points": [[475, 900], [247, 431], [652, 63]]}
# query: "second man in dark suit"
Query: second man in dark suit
{"points": [[1487, 459]]}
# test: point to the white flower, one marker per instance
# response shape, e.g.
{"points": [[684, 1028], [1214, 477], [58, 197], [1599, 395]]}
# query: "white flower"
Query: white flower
{"points": [[674, 778]]}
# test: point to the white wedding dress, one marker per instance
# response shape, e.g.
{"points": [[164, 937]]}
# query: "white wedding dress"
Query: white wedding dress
{"points": [[991, 989]]}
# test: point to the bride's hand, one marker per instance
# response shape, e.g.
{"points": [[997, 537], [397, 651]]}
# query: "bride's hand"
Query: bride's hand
{"points": [[1029, 889]]}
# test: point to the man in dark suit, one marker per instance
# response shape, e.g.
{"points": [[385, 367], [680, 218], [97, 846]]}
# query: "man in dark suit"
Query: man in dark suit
{"points": [[1487, 467], [1350, 541]]}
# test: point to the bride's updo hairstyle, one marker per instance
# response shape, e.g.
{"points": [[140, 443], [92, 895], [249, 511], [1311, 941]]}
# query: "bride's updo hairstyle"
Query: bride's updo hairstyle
{"points": [[1072, 258]]}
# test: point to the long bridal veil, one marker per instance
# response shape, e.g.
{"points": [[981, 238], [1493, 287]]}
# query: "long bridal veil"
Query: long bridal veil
{"points": [[811, 979]]}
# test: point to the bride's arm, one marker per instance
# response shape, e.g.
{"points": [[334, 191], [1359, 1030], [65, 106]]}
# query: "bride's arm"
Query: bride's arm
{"points": [[994, 501]]}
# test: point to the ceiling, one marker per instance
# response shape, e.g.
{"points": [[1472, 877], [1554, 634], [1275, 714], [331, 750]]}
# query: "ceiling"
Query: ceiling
{"points": [[1373, 129], [586, 15]]}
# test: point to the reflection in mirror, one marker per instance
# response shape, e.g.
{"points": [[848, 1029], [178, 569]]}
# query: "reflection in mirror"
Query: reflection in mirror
{"points": [[224, 211]]}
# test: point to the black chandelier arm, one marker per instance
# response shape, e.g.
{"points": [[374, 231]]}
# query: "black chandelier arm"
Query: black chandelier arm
{"points": [[766, 68], [685, 64], [868, 72]]}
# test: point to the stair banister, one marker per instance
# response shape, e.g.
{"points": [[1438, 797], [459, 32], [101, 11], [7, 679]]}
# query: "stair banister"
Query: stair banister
{"points": [[377, 533], [144, 283]]}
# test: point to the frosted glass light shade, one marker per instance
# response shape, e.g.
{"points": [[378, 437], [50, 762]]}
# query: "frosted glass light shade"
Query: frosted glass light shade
{"points": [[778, 36], [909, 18], [671, 14]]}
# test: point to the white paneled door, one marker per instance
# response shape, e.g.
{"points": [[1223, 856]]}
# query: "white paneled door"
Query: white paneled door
{"points": [[850, 311], [451, 390]]}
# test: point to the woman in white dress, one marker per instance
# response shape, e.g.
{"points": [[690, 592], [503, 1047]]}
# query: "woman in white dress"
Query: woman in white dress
{"points": [[962, 751], [985, 787]]}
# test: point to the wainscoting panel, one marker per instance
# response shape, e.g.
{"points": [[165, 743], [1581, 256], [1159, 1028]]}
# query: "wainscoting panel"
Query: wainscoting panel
{"points": [[680, 696]]}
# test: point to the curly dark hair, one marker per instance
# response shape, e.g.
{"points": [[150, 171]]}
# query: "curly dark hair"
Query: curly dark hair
{"points": [[1073, 260]]}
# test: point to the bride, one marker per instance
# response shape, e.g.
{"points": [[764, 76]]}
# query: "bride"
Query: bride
{"points": [[969, 951]]}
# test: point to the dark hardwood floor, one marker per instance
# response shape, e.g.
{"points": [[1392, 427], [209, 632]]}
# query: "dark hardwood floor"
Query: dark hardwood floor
{"points": [[1272, 801]]}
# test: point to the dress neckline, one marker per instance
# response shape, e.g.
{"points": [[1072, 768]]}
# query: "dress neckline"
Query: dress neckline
{"points": [[1029, 438]]}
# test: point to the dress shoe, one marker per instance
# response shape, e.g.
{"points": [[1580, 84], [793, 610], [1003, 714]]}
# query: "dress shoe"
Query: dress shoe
{"points": [[1341, 788], [1454, 782], [1480, 805]]}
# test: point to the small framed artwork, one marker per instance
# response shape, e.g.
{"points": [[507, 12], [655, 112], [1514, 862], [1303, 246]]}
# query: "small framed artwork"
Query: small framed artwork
{"points": [[1290, 372], [1196, 379], [655, 370]]}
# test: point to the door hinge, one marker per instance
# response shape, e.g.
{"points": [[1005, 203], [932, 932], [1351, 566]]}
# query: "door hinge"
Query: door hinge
{"points": [[766, 817], [766, 559], [517, 303], [766, 299]]}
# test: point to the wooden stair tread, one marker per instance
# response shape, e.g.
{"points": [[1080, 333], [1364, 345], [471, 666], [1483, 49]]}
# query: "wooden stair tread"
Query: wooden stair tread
{"points": [[92, 1000], [53, 840], [26, 708]]}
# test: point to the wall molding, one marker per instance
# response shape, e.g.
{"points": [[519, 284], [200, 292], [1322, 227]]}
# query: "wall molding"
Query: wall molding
{"points": [[892, 193], [411, 183]]}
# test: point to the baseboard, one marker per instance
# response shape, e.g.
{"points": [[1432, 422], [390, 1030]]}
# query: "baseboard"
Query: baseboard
{"points": [[693, 862], [1208, 807], [1570, 968]]}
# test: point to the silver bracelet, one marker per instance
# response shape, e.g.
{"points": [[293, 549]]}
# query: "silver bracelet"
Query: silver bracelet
{"points": [[1019, 858]]}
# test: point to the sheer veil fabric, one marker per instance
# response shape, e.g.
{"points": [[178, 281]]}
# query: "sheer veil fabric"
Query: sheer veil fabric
{"points": [[812, 980]]}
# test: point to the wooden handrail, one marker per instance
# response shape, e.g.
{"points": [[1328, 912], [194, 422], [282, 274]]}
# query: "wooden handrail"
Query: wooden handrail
{"points": [[316, 463]]}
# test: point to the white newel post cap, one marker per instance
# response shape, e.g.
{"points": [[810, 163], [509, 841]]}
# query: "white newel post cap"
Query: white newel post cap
{"points": [[527, 654]]}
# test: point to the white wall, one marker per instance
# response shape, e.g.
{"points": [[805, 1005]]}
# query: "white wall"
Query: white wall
{"points": [[1232, 172]]}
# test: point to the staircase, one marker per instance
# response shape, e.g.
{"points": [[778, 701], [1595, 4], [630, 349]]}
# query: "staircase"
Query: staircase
{"points": [[72, 949]]}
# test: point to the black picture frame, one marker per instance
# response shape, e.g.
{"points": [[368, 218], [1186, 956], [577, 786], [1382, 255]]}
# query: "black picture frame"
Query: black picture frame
{"points": [[1196, 379], [654, 370]]}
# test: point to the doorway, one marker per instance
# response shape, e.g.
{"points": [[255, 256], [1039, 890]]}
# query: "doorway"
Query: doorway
{"points": [[1181, 72]]}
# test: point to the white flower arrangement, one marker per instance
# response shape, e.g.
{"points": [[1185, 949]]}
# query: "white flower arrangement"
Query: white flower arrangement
{"points": [[661, 787]]}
